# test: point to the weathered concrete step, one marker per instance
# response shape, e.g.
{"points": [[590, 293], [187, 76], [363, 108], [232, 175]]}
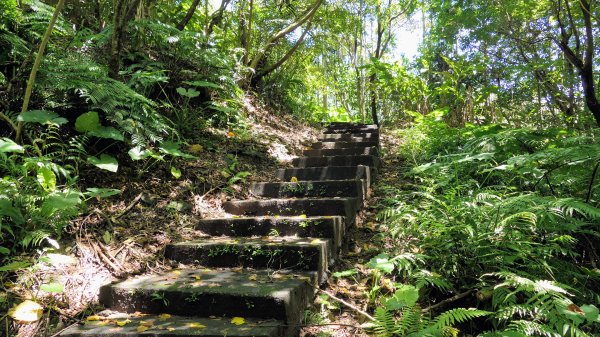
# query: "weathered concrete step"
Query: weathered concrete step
{"points": [[308, 254], [351, 126], [351, 131], [348, 160], [327, 173], [329, 227], [348, 137], [302, 189], [306, 207], [105, 325], [373, 151], [281, 295], [343, 145]]}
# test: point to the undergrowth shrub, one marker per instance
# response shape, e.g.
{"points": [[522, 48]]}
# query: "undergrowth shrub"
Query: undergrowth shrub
{"points": [[510, 215]]}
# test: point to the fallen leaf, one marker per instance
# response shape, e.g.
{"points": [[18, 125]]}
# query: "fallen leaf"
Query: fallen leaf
{"points": [[148, 323], [303, 216], [93, 318], [142, 328], [164, 316], [196, 325], [252, 277], [27, 311], [315, 241], [294, 180], [238, 320], [230, 134], [123, 323], [171, 329]]}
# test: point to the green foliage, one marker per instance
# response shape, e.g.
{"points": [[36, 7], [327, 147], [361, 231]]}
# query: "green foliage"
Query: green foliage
{"points": [[488, 203]]}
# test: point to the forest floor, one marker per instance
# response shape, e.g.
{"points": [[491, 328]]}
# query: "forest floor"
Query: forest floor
{"points": [[126, 234]]}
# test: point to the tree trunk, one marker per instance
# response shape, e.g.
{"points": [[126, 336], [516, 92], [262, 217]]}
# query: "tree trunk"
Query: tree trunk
{"points": [[372, 80], [36, 66], [188, 16]]}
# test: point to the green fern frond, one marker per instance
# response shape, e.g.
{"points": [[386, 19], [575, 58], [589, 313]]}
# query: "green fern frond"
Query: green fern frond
{"points": [[459, 315]]}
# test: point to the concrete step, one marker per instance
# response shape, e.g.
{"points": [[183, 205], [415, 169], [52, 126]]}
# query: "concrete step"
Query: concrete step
{"points": [[373, 151], [280, 295], [105, 325], [275, 253], [348, 160], [343, 145], [351, 131], [302, 189], [328, 227], [346, 207], [349, 137], [351, 126], [327, 173]]}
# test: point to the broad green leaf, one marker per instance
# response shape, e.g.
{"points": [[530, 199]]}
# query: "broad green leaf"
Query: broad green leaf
{"points": [[203, 84], [4, 250], [591, 312], [107, 132], [381, 262], [406, 295], [7, 209], [87, 122], [105, 162], [41, 116], [107, 237], [345, 273], [172, 148], [52, 287], [7, 145], [175, 172], [94, 192], [46, 178], [138, 153]]}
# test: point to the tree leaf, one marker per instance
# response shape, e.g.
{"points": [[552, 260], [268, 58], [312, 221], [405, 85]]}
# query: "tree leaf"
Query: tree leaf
{"points": [[238, 320], [46, 178], [42, 117], [175, 172], [406, 295], [17, 265], [172, 148], [107, 132], [27, 311], [53, 287], [381, 262], [87, 122], [7, 145], [94, 192], [105, 162]]}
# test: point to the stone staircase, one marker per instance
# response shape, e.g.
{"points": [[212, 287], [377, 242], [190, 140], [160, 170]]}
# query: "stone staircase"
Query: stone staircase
{"points": [[261, 267]]}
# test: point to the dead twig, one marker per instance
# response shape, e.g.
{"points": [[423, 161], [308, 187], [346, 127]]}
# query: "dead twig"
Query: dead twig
{"points": [[449, 300], [371, 318], [128, 208]]}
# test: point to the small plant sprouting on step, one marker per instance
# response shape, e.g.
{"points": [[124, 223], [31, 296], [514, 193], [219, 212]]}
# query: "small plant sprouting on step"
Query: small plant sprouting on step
{"points": [[160, 296]]}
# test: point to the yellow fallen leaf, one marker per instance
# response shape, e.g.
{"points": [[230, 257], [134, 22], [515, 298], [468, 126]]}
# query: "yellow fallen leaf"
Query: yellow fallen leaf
{"points": [[171, 329], [315, 241], [197, 277], [142, 328], [123, 323], [195, 148], [176, 272], [164, 316], [230, 134], [148, 323], [93, 318], [196, 325], [303, 216], [252, 277], [294, 180], [27, 311], [238, 320]]}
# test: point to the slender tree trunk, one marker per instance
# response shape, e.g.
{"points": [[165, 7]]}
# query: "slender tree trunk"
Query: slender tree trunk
{"points": [[372, 80], [36, 66], [188, 16]]}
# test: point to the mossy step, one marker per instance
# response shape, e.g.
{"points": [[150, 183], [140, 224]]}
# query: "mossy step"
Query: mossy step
{"points": [[328, 188], [119, 324], [349, 137], [343, 145], [351, 126], [282, 295], [330, 227], [343, 160], [371, 151], [325, 173], [308, 254], [346, 207], [350, 131]]}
